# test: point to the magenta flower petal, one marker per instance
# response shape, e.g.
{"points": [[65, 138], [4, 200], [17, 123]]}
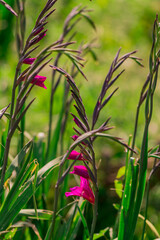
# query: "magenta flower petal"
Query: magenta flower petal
{"points": [[39, 78], [74, 155], [41, 84], [80, 170], [75, 191], [87, 191], [29, 60], [83, 191], [39, 81]]}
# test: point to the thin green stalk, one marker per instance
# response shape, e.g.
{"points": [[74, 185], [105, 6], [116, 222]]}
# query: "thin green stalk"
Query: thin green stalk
{"points": [[95, 214], [142, 180], [135, 129], [147, 195], [5, 160], [146, 208], [56, 194], [95, 207]]}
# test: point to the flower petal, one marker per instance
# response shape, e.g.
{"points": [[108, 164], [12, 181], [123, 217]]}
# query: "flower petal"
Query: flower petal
{"points": [[80, 170], [76, 191], [39, 81], [87, 191], [74, 155], [83, 191]]}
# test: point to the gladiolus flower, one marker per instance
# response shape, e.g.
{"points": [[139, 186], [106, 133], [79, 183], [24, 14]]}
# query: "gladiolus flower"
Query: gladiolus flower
{"points": [[74, 155], [80, 170], [83, 191], [39, 81], [29, 60]]}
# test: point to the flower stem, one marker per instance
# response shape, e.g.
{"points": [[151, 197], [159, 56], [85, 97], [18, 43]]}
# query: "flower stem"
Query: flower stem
{"points": [[95, 214]]}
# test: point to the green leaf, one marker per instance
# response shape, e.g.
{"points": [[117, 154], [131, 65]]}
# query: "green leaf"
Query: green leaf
{"points": [[86, 230], [18, 160], [10, 234], [42, 214], [127, 205], [154, 156], [116, 206], [2, 147], [64, 227], [76, 222], [154, 150], [100, 234], [118, 187], [16, 188], [8, 215], [121, 172]]}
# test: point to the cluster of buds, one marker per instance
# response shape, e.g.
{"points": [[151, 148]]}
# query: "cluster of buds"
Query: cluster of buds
{"points": [[37, 35], [84, 190]]}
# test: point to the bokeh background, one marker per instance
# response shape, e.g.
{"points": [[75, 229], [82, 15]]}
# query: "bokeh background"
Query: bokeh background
{"points": [[119, 23]]}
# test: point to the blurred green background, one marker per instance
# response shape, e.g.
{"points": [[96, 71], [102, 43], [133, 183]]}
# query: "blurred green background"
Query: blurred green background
{"points": [[119, 23]]}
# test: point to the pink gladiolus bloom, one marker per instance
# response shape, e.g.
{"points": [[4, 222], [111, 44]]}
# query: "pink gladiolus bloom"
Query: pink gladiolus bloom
{"points": [[80, 170], [74, 155], [39, 81], [83, 191], [29, 60]]}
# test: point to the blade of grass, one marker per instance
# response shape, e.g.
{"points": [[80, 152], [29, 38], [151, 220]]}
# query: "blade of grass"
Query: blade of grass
{"points": [[86, 230], [42, 214], [26, 193]]}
